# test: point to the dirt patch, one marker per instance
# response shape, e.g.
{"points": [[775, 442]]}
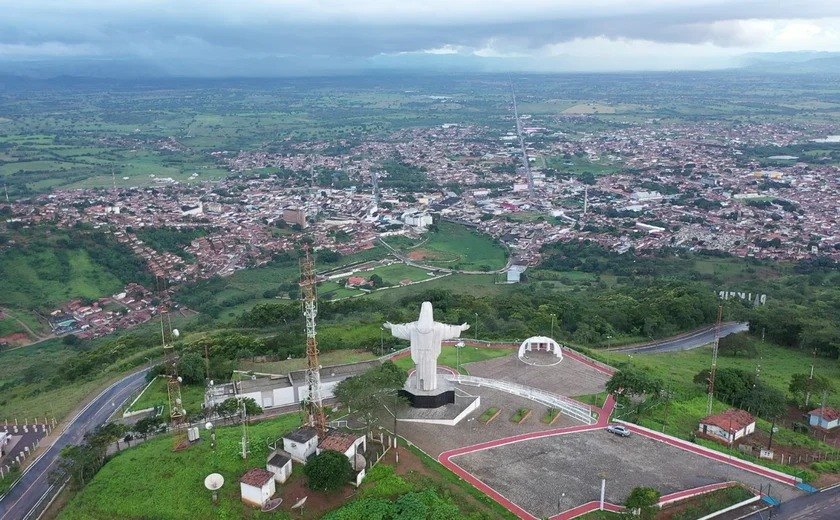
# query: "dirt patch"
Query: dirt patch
{"points": [[317, 502], [15, 340]]}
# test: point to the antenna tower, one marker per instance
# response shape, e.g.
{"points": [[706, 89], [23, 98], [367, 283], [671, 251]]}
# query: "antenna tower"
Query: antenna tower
{"points": [[714, 362], [315, 407], [177, 414]]}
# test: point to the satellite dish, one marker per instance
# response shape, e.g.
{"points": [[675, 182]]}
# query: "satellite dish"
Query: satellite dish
{"points": [[176, 333], [180, 379], [359, 462], [214, 481], [300, 503], [208, 425]]}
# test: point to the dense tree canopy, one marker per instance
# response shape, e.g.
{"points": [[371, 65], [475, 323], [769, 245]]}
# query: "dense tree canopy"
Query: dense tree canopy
{"points": [[328, 471]]}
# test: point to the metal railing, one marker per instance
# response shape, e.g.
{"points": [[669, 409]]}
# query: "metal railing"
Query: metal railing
{"points": [[567, 406]]}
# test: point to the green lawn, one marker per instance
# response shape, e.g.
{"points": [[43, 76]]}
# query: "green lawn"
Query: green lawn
{"points": [[777, 363], [152, 481], [449, 356], [156, 395], [455, 247], [334, 357]]}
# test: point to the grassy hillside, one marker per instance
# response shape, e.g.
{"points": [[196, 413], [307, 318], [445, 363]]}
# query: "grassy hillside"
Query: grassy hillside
{"points": [[454, 246]]}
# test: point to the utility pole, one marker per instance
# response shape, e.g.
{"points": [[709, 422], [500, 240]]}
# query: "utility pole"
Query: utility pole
{"points": [[714, 362], [553, 316], [811, 379], [476, 326]]}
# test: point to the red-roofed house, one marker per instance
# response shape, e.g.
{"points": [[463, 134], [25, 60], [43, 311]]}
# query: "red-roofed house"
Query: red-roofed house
{"points": [[728, 426], [824, 417], [347, 443], [356, 281], [257, 486]]}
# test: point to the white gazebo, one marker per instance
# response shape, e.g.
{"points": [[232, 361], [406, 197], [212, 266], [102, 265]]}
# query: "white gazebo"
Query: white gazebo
{"points": [[541, 344]]}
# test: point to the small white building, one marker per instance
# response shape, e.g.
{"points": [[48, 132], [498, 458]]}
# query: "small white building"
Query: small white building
{"points": [[257, 487], [301, 443], [728, 426], [824, 417], [280, 463]]}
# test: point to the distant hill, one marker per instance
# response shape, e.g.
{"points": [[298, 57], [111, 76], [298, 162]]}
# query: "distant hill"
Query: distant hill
{"points": [[794, 62]]}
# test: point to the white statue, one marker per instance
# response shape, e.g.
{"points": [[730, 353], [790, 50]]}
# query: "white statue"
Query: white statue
{"points": [[426, 335]]}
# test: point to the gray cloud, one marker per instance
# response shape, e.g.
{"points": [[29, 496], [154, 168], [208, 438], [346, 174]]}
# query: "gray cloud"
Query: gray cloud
{"points": [[189, 34]]}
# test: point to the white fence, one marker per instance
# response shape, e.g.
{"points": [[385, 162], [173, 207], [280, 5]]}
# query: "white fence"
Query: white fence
{"points": [[572, 408]]}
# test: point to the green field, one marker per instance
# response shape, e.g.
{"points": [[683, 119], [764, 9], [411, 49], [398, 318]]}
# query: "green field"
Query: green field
{"points": [[48, 277], [454, 246], [156, 395], [777, 365], [152, 481], [334, 357]]}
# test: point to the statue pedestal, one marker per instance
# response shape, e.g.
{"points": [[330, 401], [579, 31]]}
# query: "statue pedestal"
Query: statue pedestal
{"points": [[442, 395]]}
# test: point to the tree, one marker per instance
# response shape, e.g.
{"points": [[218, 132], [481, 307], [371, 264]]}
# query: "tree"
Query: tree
{"points": [[737, 344], [643, 500], [191, 368], [148, 425], [71, 340], [631, 381], [377, 281], [372, 390], [801, 385], [328, 471]]}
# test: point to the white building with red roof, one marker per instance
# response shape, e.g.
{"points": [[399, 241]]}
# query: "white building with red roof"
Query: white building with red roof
{"points": [[824, 417], [728, 426]]}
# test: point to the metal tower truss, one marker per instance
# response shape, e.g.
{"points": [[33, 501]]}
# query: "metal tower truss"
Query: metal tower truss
{"points": [[313, 372]]}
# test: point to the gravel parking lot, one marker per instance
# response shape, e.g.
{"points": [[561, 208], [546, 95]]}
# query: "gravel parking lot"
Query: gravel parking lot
{"points": [[549, 475], [569, 377], [435, 439]]}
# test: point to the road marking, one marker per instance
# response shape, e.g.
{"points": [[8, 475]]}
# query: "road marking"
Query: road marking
{"points": [[60, 435]]}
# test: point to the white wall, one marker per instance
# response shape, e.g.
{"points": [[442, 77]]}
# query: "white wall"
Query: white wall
{"points": [[257, 496], [300, 451]]}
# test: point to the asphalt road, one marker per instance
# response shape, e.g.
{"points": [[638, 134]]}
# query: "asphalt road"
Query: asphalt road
{"points": [[818, 506], [694, 339], [34, 488]]}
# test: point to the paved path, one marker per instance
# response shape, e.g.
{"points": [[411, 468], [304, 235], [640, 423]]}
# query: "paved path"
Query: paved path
{"points": [[33, 489], [688, 341], [818, 506]]}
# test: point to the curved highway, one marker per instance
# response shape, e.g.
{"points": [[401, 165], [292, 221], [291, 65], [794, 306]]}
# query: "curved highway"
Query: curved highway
{"points": [[693, 339], [33, 489]]}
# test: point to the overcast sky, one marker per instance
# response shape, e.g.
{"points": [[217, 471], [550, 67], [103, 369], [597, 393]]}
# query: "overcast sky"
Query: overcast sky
{"points": [[281, 37]]}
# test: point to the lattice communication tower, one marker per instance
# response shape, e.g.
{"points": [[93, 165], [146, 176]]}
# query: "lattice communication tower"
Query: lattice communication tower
{"points": [[177, 414], [315, 407]]}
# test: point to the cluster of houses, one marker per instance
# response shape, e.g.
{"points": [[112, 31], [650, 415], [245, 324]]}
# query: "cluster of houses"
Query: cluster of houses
{"points": [[733, 424], [258, 486]]}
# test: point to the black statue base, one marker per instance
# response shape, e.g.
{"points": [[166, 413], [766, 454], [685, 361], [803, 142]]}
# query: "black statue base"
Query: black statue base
{"points": [[424, 400]]}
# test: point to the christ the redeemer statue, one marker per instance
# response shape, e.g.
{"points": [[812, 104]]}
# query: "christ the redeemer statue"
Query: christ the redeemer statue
{"points": [[426, 336]]}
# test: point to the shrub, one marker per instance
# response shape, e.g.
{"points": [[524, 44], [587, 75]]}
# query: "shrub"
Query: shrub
{"points": [[328, 471]]}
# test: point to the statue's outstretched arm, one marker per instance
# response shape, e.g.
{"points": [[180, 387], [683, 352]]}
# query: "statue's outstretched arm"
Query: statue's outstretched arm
{"points": [[400, 330], [453, 331]]}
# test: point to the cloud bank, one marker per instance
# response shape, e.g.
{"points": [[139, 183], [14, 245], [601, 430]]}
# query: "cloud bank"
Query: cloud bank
{"points": [[287, 37]]}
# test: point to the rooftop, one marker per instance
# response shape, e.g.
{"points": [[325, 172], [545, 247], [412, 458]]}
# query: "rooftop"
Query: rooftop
{"points": [[279, 459], [302, 434], [338, 441], [826, 412], [256, 477], [731, 420]]}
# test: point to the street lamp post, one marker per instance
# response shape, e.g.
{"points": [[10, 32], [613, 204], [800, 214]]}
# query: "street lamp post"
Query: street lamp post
{"points": [[553, 316], [458, 347], [476, 326]]}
